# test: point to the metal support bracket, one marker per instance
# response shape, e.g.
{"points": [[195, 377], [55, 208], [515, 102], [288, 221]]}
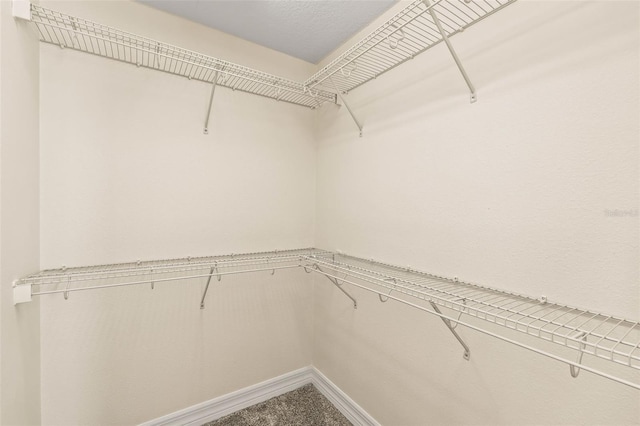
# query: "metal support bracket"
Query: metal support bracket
{"points": [[21, 293], [575, 371], [204, 294], [467, 351], [213, 90], [445, 38], [335, 282], [344, 101]]}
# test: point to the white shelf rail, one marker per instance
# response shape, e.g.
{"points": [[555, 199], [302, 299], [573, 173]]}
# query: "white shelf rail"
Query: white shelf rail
{"points": [[86, 36]]}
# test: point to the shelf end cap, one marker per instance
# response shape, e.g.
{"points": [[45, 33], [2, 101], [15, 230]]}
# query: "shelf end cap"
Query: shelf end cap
{"points": [[21, 9], [21, 294]]}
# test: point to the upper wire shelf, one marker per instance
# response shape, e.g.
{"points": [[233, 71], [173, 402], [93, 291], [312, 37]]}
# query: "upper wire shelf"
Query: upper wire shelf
{"points": [[80, 34], [409, 33]]}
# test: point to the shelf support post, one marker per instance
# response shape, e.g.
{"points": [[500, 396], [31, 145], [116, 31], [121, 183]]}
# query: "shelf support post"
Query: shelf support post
{"points": [[206, 288], [338, 285], [445, 38], [344, 101], [467, 351], [213, 90]]}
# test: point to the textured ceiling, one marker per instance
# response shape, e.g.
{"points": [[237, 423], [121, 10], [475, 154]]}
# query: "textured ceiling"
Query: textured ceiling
{"points": [[305, 29]]}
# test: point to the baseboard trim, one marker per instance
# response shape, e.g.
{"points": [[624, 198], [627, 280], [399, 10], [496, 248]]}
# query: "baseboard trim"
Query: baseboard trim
{"points": [[347, 406], [213, 409], [216, 408]]}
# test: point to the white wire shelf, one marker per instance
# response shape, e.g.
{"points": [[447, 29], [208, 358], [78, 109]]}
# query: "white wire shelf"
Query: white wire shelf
{"points": [[80, 34], [414, 30], [67, 280], [603, 336], [409, 33]]}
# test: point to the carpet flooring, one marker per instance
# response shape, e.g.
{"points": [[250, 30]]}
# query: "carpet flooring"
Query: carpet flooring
{"points": [[305, 406]]}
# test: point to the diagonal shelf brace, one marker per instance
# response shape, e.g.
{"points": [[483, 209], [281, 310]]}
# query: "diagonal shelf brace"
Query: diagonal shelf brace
{"points": [[445, 38], [344, 101], [335, 282], [204, 294], [467, 351], [213, 90]]}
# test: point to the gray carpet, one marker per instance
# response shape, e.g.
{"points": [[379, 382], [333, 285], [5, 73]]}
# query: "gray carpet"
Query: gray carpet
{"points": [[303, 406]]}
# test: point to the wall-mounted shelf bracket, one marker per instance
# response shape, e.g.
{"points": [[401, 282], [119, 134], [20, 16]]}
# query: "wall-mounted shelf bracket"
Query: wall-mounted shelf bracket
{"points": [[21, 9], [213, 90], [575, 371], [21, 293], [467, 352], [337, 284], [344, 101], [445, 38]]}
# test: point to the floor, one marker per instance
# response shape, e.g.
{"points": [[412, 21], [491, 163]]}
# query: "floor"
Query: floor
{"points": [[303, 406]]}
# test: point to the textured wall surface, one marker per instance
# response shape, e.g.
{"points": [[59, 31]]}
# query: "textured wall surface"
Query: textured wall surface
{"points": [[19, 213], [511, 192], [127, 173]]}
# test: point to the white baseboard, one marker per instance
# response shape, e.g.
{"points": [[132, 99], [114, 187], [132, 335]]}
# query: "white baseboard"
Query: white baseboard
{"points": [[347, 406], [216, 408]]}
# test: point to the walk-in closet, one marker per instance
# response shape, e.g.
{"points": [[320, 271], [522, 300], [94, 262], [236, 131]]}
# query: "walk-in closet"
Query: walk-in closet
{"points": [[375, 212]]}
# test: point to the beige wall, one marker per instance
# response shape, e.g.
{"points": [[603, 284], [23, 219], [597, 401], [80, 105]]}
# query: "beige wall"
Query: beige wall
{"points": [[127, 173], [509, 192], [19, 212]]}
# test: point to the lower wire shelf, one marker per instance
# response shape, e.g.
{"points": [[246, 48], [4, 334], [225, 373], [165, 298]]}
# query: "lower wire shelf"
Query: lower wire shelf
{"points": [[605, 337], [611, 340], [67, 280]]}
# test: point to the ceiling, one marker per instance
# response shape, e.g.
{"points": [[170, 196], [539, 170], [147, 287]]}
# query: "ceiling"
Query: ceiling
{"points": [[305, 29]]}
